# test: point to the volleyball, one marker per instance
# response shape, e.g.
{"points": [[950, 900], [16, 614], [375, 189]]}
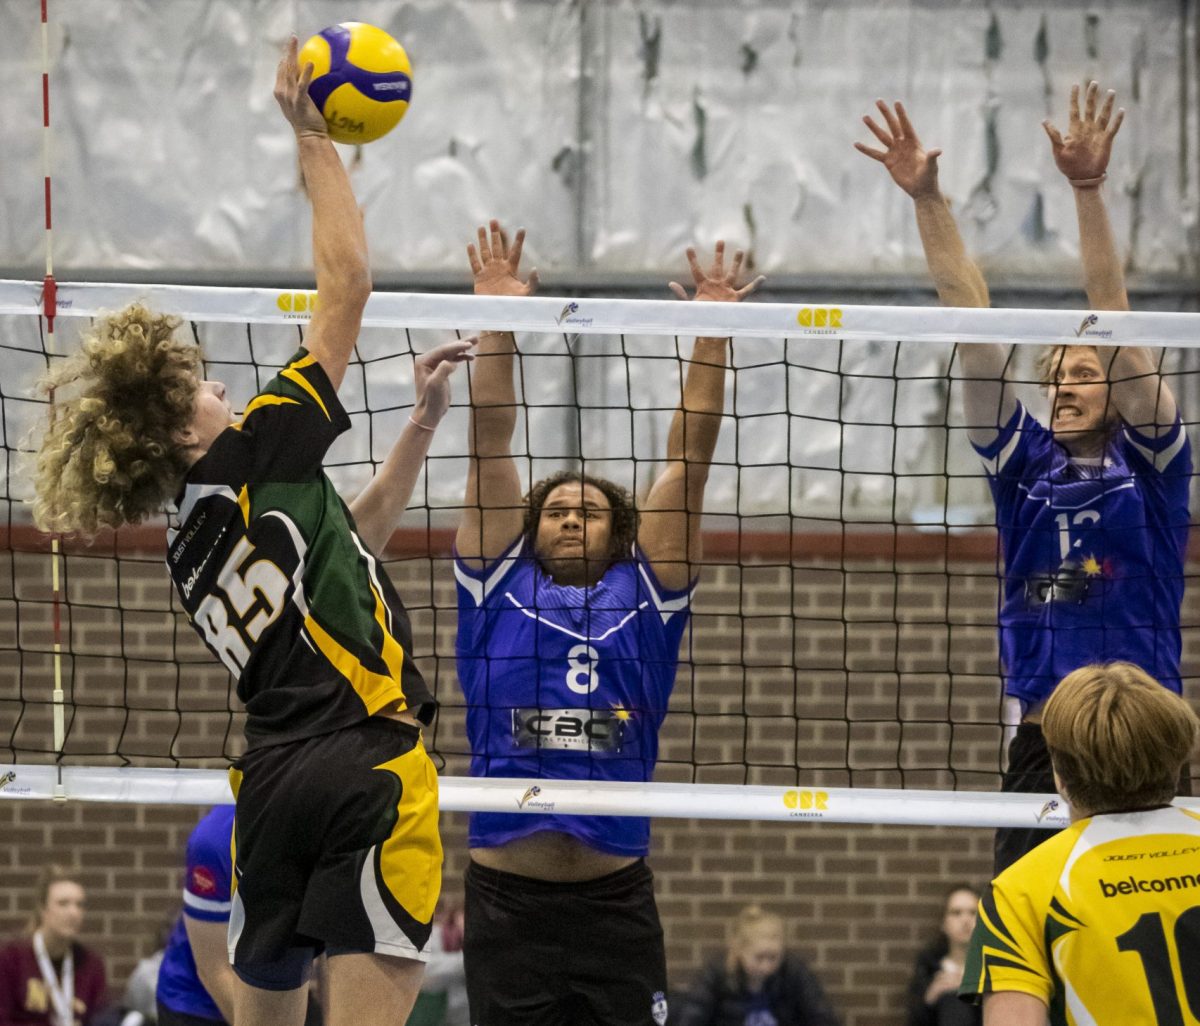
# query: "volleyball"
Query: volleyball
{"points": [[362, 80]]}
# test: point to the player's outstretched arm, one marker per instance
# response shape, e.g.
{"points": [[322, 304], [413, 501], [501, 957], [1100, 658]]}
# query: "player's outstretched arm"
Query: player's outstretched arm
{"points": [[669, 533], [987, 402], [1082, 156], [378, 508], [1139, 393], [915, 169], [339, 241], [492, 516]]}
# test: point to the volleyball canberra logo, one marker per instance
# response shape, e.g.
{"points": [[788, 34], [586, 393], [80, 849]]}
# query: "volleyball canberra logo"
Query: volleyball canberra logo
{"points": [[297, 304], [820, 320], [530, 792], [7, 779]]}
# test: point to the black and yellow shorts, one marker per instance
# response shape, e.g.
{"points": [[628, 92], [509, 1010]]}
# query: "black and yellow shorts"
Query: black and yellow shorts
{"points": [[336, 849]]}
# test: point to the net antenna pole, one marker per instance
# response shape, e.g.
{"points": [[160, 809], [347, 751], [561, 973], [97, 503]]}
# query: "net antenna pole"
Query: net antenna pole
{"points": [[49, 308]]}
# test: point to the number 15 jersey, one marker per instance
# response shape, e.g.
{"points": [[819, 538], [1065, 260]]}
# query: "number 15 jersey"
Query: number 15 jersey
{"points": [[1101, 922], [272, 573], [566, 682]]}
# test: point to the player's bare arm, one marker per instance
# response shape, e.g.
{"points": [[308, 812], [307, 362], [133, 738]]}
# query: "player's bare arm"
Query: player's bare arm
{"points": [[210, 948], [492, 515], [339, 240], [1012, 1008], [987, 402], [1139, 394], [669, 534], [378, 507]]}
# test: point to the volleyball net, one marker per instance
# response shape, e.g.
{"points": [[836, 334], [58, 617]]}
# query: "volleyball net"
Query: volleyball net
{"points": [[841, 660]]}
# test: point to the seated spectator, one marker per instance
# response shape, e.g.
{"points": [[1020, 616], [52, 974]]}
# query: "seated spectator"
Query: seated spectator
{"points": [[757, 983], [49, 978], [138, 1003], [933, 991]]}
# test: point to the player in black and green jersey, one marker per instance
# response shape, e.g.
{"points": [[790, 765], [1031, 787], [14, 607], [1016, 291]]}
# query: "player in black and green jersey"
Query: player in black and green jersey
{"points": [[336, 840], [1100, 924]]}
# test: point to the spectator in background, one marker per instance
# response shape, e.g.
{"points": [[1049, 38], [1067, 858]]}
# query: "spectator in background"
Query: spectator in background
{"points": [[757, 983], [933, 991], [138, 1003], [49, 978]]}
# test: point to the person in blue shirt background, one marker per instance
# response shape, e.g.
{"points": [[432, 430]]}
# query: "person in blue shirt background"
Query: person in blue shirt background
{"points": [[572, 605]]}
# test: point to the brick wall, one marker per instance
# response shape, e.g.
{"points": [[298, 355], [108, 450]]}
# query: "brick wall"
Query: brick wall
{"points": [[868, 665]]}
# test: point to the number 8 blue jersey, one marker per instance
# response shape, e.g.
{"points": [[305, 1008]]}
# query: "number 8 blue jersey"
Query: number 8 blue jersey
{"points": [[1093, 553], [566, 682]]}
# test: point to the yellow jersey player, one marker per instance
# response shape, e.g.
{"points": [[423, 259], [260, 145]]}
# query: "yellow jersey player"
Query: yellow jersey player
{"points": [[1101, 923]]}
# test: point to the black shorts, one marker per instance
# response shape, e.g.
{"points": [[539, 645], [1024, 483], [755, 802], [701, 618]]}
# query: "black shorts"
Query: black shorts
{"points": [[1028, 772], [336, 848], [564, 954]]}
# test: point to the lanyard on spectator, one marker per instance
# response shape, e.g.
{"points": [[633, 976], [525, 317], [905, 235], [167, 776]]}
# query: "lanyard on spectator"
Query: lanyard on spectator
{"points": [[62, 996]]}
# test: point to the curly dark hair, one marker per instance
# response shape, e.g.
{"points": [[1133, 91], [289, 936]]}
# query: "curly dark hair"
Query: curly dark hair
{"points": [[109, 455], [624, 512]]}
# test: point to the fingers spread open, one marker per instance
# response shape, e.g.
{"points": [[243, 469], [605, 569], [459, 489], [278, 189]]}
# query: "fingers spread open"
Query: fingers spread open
{"points": [[892, 122], [905, 125], [874, 154], [1116, 122], [878, 132], [514, 254]]}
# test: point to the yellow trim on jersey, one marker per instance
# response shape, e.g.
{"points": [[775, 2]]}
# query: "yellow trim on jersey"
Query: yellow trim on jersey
{"points": [[235, 785], [410, 860], [260, 401], [373, 688], [243, 501], [292, 374]]}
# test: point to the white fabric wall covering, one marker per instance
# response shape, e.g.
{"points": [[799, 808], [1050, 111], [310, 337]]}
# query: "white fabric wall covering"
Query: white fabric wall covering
{"points": [[617, 132]]}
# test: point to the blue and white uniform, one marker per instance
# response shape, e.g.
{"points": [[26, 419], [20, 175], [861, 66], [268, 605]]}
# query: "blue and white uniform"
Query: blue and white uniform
{"points": [[206, 897], [568, 683], [1093, 553]]}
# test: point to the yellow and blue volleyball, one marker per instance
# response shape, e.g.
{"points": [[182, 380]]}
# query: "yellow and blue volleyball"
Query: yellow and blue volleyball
{"points": [[362, 80]]}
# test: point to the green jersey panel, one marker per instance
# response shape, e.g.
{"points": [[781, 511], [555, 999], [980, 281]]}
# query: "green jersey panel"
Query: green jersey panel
{"points": [[274, 577]]}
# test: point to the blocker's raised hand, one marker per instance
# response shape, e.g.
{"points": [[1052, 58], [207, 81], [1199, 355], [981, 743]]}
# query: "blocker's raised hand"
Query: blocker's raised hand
{"points": [[495, 264], [717, 285], [911, 166], [1084, 153]]}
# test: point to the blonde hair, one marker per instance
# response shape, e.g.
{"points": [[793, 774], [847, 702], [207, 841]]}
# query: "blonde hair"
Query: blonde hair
{"points": [[1118, 739], [750, 919], [1048, 361], [110, 455]]}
